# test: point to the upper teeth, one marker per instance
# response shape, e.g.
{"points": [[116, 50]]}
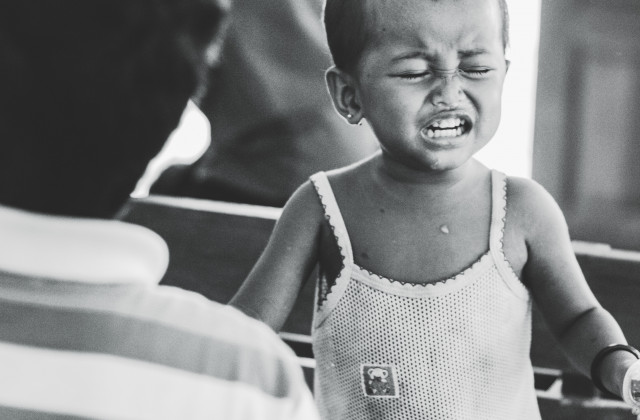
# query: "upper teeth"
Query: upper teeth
{"points": [[450, 127], [448, 123]]}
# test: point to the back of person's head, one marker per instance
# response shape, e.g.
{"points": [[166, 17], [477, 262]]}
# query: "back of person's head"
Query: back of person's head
{"points": [[90, 91], [348, 25]]}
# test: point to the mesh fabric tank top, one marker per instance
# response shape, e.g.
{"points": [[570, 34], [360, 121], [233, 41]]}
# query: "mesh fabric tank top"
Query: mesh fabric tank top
{"points": [[455, 349]]}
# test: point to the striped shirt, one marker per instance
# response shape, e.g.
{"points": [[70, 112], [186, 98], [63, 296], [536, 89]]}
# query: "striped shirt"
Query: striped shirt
{"points": [[129, 349]]}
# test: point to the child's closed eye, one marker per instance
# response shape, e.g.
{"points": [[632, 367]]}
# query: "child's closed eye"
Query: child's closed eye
{"points": [[470, 72], [413, 75], [475, 72]]}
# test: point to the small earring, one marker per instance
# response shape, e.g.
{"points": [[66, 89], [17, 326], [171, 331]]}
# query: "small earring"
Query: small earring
{"points": [[349, 116]]}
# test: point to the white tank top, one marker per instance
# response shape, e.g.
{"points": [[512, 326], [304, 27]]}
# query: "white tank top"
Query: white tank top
{"points": [[456, 349]]}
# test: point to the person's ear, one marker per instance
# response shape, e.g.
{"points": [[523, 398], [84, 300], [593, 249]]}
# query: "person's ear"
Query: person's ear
{"points": [[508, 63], [344, 94]]}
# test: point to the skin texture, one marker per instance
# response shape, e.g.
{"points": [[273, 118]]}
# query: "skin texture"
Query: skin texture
{"points": [[445, 61]]}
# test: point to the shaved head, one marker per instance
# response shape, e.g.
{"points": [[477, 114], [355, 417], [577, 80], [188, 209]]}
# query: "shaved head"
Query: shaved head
{"points": [[348, 23]]}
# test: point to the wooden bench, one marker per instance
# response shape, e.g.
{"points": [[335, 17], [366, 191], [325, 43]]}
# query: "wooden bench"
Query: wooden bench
{"points": [[213, 245]]}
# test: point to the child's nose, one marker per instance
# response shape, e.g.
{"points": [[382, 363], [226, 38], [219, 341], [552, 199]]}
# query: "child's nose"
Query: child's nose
{"points": [[447, 90]]}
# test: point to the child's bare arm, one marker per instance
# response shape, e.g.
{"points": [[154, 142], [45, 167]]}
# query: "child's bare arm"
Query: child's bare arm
{"points": [[558, 286], [271, 289]]}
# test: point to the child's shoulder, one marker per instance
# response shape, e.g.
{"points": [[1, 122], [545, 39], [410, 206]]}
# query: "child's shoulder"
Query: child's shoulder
{"points": [[351, 172], [309, 190], [527, 193], [531, 207], [307, 196], [306, 202], [305, 213], [351, 177]]}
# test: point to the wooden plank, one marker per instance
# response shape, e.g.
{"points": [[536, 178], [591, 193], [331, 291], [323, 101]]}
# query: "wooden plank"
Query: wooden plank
{"points": [[583, 409], [213, 246]]}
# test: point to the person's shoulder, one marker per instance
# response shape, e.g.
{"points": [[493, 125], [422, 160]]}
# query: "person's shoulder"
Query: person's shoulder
{"points": [[222, 326], [240, 350], [531, 206], [217, 321], [247, 332]]}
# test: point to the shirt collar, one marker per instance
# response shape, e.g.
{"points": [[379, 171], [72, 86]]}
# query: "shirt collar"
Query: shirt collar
{"points": [[80, 250]]}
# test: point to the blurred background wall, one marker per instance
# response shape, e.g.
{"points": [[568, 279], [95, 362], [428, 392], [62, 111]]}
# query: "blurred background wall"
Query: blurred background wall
{"points": [[586, 146], [511, 149]]}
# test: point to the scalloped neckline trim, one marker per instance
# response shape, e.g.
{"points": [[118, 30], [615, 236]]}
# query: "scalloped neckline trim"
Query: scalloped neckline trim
{"points": [[457, 281]]}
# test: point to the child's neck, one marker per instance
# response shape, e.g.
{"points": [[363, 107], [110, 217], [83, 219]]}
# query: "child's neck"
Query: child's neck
{"points": [[403, 174]]}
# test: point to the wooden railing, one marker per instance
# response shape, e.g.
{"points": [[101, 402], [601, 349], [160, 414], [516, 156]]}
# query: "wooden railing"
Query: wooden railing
{"points": [[213, 245]]}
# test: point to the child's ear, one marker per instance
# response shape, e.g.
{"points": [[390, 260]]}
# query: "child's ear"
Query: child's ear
{"points": [[343, 91]]}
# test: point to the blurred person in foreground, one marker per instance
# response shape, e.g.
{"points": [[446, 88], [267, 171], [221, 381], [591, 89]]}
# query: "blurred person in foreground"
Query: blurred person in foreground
{"points": [[90, 92]]}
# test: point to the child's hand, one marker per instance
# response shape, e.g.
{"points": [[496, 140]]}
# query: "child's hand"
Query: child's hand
{"points": [[631, 388]]}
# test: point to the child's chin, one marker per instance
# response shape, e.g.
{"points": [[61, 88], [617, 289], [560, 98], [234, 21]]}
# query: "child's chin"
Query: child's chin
{"points": [[449, 160]]}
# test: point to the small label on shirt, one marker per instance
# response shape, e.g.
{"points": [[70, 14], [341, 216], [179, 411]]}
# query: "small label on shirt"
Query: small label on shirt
{"points": [[379, 381]]}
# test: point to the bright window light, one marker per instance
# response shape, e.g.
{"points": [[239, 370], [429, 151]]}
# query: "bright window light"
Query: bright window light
{"points": [[511, 149]]}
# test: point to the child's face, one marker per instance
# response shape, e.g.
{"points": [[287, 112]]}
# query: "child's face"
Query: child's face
{"points": [[430, 80]]}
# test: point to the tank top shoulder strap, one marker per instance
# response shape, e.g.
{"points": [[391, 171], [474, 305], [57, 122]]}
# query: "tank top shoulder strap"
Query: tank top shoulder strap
{"points": [[498, 209], [496, 240], [334, 217], [332, 214]]}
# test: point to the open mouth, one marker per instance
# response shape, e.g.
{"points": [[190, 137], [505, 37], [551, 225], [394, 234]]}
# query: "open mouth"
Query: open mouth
{"points": [[446, 128]]}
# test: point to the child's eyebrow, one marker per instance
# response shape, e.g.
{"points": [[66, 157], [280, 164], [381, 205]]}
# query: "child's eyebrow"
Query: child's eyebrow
{"points": [[472, 52], [429, 57], [410, 55]]}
